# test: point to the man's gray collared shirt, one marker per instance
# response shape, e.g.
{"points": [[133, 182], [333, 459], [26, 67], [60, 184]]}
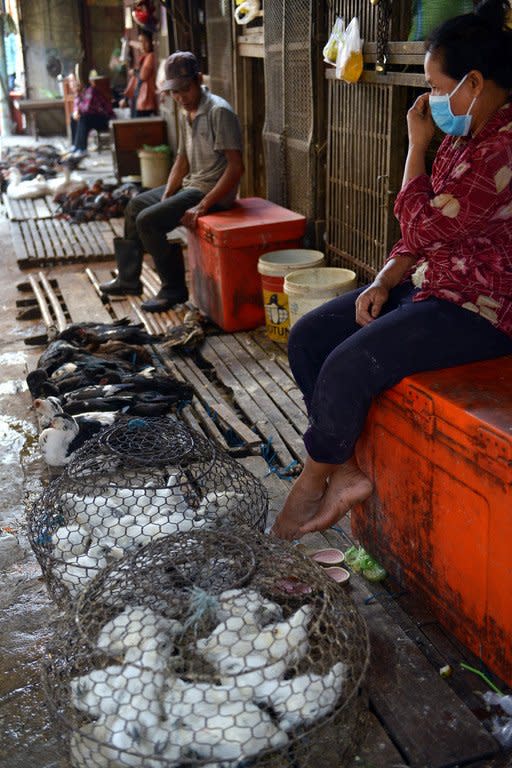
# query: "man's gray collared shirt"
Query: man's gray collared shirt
{"points": [[215, 128]]}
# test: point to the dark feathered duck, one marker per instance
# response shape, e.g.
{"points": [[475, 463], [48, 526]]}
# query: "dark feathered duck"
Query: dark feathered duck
{"points": [[84, 334]]}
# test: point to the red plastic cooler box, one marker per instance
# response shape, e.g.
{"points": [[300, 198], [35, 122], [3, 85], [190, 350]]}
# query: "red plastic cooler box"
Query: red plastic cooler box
{"points": [[223, 255], [438, 447]]}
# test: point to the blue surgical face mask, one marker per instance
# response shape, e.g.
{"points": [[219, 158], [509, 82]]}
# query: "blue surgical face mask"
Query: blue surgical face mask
{"points": [[443, 117]]}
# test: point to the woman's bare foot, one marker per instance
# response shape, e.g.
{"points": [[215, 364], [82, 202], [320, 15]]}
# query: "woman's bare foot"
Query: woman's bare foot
{"points": [[347, 486], [304, 500]]}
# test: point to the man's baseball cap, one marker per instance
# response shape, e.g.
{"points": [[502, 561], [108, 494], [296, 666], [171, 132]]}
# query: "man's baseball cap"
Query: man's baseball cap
{"points": [[180, 68]]}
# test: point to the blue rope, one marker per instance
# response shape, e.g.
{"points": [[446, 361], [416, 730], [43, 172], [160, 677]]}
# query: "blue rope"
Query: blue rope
{"points": [[137, 423], [268, 453], [201, 603], [232, 439]]}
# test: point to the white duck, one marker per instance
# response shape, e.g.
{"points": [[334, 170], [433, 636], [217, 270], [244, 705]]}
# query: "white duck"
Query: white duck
{"points": [[46, 409], [76, 572], [239, 730], [55, 440], [24, 190], [70, 541], [68, 182], [304, 699], [250, 605], [64, 436], [235, 646], [131, 626]]}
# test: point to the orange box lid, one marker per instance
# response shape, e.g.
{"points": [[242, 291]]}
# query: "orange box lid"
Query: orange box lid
{"points": [[477, 392], [251, 221]]}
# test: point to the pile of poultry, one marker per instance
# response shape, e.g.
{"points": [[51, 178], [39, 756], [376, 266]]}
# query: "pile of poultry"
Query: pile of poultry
{"points": [[42, 160], [98, 201], [89, 376]]}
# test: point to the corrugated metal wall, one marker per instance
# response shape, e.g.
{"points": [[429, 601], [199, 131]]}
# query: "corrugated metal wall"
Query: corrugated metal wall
{"points": [[363, 174], [290, 92], [220, 48], [365, 141]]}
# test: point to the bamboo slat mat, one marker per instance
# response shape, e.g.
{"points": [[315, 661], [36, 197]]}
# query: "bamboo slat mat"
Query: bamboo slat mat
{"points": [[48, 242], [23, 210]]}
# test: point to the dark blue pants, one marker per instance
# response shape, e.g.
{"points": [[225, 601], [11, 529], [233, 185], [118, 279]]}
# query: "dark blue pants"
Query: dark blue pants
{"points": [[148, 219], [80, 129], [341, 366]]}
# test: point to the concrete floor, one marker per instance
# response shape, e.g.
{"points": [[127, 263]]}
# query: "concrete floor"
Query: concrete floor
{"points": [[26, 613], [25, 610]]}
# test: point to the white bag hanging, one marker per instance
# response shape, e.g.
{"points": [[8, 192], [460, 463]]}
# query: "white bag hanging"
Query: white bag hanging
{"points": [[246, 10], [335, 41], [349, 64]]}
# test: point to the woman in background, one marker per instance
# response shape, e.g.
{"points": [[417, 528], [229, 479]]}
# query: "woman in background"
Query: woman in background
{"points": [[91, 111], [140, 94]]}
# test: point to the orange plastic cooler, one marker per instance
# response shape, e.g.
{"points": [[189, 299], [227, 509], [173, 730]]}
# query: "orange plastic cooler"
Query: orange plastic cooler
{"points": [[223, 256], [438, 447]]}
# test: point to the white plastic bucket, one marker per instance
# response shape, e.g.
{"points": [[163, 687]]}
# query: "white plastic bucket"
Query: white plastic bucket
{"points": [[154, 168], [309, 288], [273, 267]]}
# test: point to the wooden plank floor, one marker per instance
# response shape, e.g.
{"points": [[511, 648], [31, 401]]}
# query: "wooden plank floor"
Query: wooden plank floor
{"points": [[49, 242], [243, 387], [23, 210]]}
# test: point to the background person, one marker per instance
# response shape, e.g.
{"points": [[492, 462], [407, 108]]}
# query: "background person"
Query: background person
{"points": [[140, 93], [444, 297], [91, 110], [205, 176]]}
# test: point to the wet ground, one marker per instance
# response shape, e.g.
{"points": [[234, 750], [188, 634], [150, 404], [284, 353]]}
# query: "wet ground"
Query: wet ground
{"points": [[26, 613], [25, 610]]}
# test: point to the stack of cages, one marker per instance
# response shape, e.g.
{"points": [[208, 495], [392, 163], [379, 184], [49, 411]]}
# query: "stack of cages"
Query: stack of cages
{"points": [[210, 649], [136, 482]]}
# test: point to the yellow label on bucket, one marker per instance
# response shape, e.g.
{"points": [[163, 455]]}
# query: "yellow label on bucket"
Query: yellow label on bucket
{"points": [[276, 315]]}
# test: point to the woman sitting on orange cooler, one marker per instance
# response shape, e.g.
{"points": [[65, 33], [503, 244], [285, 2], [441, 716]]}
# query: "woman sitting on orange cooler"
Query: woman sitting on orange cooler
{"points": [[444, 295]]}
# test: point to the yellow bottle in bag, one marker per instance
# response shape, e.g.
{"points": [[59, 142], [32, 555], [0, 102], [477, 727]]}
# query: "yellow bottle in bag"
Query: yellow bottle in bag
{"points": [[349, 64], [353, 67]]}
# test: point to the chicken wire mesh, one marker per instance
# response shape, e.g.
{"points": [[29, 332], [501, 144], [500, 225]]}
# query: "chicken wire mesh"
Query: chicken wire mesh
{"points": [[136, 482], [210, 649]]}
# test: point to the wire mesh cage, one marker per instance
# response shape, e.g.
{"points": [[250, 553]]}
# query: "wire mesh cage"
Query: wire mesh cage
{"points": [[138, 481], [210, 649]]}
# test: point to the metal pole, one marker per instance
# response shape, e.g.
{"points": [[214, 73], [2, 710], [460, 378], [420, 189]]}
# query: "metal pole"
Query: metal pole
{"points": [[5, 107]]}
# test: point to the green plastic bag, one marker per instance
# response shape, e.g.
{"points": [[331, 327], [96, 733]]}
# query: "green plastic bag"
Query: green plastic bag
{"points": [[361, 562], [429, 14], [159, 148]]}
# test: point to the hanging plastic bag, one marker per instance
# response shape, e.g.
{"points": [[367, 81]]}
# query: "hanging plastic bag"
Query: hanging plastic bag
{"points": [[246, 10], [349, 63], [334, 42]]}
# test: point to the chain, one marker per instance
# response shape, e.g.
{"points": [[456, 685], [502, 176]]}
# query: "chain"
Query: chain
{"points": [[383, 19]]}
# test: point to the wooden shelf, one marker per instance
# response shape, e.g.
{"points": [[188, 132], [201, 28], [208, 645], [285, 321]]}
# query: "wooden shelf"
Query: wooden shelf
{"points": [[250, 44], [404, 54], [412, 79]]}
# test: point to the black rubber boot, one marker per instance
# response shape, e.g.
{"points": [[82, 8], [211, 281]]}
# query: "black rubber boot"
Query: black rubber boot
{"points": [[129, 265], [171, 271]]}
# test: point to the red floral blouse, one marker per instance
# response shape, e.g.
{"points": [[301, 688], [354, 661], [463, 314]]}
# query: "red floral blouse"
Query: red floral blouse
{"points": [[458, 223]]}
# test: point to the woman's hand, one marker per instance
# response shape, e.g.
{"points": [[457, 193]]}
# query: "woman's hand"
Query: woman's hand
{"points": [[370, 302], [420, 125]]}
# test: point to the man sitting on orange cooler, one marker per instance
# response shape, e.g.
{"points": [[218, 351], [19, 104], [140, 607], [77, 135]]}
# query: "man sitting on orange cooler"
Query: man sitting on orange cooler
{"points": [[204, 177]]}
